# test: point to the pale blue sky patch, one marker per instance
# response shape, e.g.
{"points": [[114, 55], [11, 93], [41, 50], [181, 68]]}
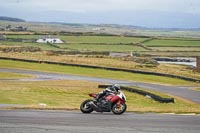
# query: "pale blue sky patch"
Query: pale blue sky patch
{"points": [[182, 13], [186, 6]]}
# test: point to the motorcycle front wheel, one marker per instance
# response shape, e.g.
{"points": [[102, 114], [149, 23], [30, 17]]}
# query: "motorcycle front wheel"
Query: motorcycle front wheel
{"points": [[119, 109], [85, 107]]}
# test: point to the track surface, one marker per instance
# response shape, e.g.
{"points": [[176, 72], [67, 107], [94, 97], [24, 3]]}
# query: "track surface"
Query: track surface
{"points": [[23, 121], [181, 91]]}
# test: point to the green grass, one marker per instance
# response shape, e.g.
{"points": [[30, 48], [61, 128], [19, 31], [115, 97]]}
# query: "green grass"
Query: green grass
{"points": [[197, 89], [67, 94], [24, 36], [141, 104], [172, 43], [5, 75], [53, 93], [171, 53], [170, 34], [106, 47], [43, 46], [110, 62], [114, 44], [100, 39], [87, 39], [93, 72], [91, 43], [178, 49]]}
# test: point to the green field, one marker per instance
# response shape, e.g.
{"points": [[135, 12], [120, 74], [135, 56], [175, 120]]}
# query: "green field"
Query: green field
{"points": [[79, 43], [40, 27], [173, 47], [86, 39], [77, 47], [24, 36], [43, 46], [177, 49], [101, 39], [171, 53], [106, 47], [173, 43], [112, 44]]}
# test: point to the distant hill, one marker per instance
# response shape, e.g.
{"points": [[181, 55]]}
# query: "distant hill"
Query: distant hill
{"points": [[3, 18]]}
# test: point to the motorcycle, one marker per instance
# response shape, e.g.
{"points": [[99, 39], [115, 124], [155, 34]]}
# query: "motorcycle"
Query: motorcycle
{"points": [[110, 102]]}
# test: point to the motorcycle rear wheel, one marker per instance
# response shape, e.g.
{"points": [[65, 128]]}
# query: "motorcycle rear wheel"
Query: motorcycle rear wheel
{"points": [[119, 109], [85, 107]]}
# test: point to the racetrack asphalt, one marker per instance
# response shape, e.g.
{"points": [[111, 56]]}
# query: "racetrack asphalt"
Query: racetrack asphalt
{"points": [[181, 91], [32, 121]]}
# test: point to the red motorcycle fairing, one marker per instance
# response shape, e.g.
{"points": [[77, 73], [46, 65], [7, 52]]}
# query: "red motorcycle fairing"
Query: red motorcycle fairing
{"points": [[93, 95], [113, 98]]}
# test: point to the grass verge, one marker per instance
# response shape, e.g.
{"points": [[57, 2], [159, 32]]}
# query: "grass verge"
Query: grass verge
{"points": [[7, 75], [68, 94], [94, 72], [125, 63], [197, 89]]}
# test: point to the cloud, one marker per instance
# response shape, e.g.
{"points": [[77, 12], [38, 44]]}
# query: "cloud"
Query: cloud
{"points": [[147, 13], [186, 6]]}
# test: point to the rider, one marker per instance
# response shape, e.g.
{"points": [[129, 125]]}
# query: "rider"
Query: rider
{"points": [[115, 88]]}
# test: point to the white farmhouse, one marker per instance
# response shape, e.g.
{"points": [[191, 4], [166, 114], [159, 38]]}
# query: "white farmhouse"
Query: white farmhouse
{"points": [[49, 40]]}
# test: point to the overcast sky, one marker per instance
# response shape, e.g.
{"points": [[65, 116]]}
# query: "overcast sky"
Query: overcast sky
{"points": [[26, 8]]}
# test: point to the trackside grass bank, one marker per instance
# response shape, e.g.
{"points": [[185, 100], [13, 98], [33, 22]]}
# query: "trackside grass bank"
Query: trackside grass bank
{"points": [[7, 75], [94, 72], [68, 94], [133, 63]]}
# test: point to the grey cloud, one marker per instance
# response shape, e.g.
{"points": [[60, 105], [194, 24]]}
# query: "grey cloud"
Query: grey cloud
{"points": [[190, 6]]}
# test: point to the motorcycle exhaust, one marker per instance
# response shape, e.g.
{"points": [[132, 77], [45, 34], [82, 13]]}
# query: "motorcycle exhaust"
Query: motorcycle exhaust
{"points": [[95, 107]]}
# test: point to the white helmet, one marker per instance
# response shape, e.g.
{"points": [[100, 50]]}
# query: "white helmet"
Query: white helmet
{"points": [[116, 87]]}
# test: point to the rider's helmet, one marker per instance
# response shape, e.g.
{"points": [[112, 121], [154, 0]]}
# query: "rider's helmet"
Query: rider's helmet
{"points": [[116, 87], [113, 88]]}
